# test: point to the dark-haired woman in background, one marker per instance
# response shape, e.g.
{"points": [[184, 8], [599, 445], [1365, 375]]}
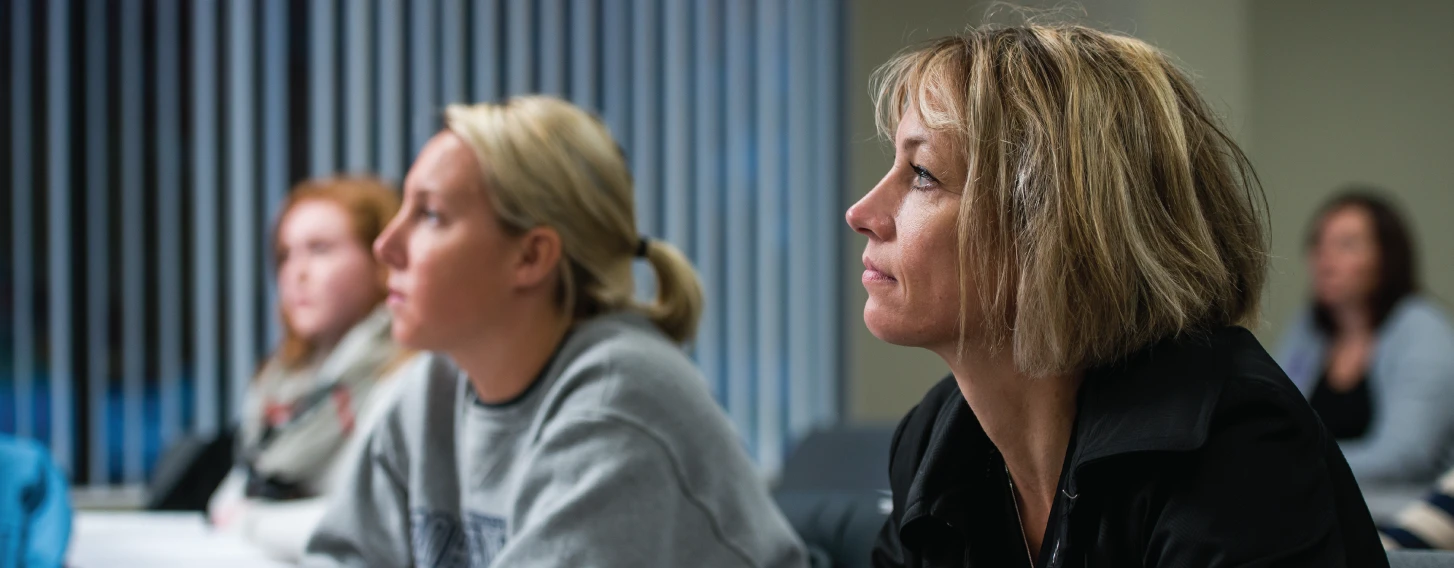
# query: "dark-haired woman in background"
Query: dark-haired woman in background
{"points": [[1374, 357]]}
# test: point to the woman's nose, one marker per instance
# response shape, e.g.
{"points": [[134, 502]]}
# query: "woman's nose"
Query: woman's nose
{"points": [[386, 247], [869, 218], [290, 275]]}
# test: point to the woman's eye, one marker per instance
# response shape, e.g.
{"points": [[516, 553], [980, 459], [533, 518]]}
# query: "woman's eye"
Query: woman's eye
{"points": [[319, 248], [429, 215], [922, 178]]}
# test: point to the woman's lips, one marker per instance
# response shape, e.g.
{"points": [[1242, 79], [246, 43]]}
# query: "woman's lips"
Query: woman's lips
{"points": [[872, 275], [876, 277]]}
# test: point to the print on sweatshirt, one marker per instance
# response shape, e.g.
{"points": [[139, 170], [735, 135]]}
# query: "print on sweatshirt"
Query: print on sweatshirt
{"points": [[439, 540]]}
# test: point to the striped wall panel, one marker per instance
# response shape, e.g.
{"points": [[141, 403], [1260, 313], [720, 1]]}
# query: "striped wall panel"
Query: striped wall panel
{"points": [[151, 143]]}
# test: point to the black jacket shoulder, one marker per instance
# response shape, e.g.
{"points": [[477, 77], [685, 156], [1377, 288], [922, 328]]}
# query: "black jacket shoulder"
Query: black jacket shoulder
{"points": [[1196, 451]]}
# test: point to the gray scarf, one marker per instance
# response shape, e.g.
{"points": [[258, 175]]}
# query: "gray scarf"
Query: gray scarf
{"points": [[317, 405]]}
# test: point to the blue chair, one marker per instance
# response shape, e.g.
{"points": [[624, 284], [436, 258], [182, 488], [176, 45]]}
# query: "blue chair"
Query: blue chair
{"points": [[35, 508]]}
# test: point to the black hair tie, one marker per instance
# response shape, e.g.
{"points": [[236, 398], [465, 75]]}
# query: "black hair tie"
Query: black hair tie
{"points": [[642, 245]]}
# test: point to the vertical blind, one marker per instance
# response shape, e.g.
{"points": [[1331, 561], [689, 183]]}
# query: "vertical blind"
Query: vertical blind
{"points": [[151, 143]]}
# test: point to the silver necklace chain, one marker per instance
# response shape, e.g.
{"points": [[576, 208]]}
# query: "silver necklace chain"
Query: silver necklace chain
{"points": [[1019, 520]]}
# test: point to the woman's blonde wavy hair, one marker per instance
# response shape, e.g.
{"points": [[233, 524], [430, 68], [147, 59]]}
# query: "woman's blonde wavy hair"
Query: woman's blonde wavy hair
{"points": [[549, 163], [1105, 209]]}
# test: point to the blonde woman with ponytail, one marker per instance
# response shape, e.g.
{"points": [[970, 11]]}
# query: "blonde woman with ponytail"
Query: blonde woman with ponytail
{"points": [[558, 422]]}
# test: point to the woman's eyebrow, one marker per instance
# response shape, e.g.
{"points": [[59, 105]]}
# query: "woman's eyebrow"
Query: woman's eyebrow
{"points": [[422, 193], [914, 140]]}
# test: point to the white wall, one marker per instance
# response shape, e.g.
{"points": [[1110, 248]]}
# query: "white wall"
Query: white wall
{"points": [[1346, 92]]}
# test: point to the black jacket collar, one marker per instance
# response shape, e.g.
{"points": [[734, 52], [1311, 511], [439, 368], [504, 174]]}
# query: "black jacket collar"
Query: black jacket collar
{"points": [[1160, 398]]}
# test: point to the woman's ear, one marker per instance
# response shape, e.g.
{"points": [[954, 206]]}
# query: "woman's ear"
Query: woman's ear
{"points": [[539, 254]]}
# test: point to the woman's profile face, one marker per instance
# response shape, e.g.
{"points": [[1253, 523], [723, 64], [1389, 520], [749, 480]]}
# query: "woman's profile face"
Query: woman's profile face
{"points": [[448, 255], [327, 279], [910, 268], [1344, 258]]}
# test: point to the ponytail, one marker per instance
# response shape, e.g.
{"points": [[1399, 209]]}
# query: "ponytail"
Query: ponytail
{"points": [[678, 305], [551, 163]]}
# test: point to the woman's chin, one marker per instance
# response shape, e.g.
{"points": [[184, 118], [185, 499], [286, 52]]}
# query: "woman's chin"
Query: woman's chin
{"points": [[406, 337], [887, 327]]}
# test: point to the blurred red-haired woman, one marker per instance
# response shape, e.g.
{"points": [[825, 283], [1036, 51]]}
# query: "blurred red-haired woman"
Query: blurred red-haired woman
{"points": [[322, 387]]}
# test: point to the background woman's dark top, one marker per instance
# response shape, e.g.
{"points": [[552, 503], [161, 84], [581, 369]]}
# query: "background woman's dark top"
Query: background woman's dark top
{"points": [[1194, 452], [1346, 414]]}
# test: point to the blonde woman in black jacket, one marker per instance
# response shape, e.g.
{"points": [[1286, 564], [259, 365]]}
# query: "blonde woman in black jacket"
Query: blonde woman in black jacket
{"points": [[1066, 224]]}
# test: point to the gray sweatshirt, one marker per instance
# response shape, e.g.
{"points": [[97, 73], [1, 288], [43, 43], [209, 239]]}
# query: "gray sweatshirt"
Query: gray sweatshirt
{"points": [[615, 456]]}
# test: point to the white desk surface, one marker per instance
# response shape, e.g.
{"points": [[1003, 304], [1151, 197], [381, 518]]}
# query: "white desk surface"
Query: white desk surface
{"points": [[157, 540]]}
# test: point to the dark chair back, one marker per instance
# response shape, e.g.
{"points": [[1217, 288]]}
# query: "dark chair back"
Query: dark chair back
{"points": [[188, 472], [834, 491]]}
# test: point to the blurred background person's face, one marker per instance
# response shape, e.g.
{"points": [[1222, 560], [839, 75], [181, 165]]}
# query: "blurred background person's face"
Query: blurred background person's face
{"points": [[450, 259], [1344, 258], [327, 280]]}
